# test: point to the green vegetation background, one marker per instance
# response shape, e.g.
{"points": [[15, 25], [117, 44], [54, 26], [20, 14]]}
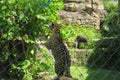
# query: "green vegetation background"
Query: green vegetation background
{"points": [[26, 19]]}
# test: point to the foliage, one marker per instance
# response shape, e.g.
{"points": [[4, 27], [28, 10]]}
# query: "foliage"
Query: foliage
{"points": [[87, 73], [111, 25], [70, 32], [110, 5], [20, 18], [108, 57], [26, 20], [29, 69]]}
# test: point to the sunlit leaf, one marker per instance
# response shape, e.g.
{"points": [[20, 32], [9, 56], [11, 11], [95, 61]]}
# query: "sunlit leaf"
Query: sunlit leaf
{"points": [[4, 7], [26, 64], [11, 1]]}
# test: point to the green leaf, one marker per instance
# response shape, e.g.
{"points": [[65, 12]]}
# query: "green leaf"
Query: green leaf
{"points": [[11, 1], [4, 7], [26, 64], [32, 51], [41, 17]]}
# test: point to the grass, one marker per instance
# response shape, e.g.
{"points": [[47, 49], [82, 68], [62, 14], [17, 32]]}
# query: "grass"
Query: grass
{"points": [[70, 32], [85, 73]]}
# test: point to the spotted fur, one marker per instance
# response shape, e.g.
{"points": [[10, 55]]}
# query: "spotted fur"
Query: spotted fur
{"points": [[59, 52]]}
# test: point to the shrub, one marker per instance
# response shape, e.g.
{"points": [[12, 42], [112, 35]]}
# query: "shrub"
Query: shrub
{"points": [[26, 20]]}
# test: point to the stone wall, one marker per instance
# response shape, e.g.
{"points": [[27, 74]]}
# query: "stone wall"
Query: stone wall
{"points": [[83, 12]]}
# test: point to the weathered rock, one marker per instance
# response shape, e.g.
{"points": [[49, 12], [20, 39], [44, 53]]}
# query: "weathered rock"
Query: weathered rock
{"points": [[44, 76], [98, 4], [67, 78], [72, 6], [101, 13], [73, 0], [81, 18], [84, 12]]}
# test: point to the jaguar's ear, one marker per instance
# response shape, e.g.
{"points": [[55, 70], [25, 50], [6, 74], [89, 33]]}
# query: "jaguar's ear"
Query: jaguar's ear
{"points": [[51, 26], [55, 25]]}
